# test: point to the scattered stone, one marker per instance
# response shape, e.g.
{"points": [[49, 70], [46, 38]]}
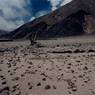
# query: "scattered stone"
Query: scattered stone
{"points": [[44, 79], [54, 87], [30, 87], [4, 83], [4, 91], [85, 68], [47, 87], [39, 84]]}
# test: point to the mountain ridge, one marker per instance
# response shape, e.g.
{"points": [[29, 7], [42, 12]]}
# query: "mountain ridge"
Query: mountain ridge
{"points": [[45, 26]]}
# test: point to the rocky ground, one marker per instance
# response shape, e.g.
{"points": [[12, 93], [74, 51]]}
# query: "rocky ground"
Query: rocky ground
{"points": [[64, 68]]}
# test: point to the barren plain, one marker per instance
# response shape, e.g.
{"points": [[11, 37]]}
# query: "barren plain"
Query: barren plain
{"points": [[56, 67]]}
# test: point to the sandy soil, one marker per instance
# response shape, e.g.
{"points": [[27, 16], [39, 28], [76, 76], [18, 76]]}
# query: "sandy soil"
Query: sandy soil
{"points": [[66, 67]]}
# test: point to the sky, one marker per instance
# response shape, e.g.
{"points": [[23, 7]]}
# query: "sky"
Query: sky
{"points": [[14, 13]]}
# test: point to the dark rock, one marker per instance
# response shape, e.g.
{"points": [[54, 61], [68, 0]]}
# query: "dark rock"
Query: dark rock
{"points": [[4, 91], [47, 87], [39, 84]]}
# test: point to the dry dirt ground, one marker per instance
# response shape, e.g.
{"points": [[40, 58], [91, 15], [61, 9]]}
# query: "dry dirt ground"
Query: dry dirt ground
{"points": [[59, 67]]}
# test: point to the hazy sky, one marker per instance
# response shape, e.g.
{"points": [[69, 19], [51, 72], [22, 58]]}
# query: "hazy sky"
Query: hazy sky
{"points": [[14, 13]]}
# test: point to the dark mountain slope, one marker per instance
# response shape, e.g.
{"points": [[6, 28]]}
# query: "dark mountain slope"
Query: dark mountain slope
{"points": [[70, 26], [2, 32]]}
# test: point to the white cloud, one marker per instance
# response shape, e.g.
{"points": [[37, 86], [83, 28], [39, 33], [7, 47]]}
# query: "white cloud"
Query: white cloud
{"points": [[41, 13], [56, 3], [9, 25], [65, 2], [32, 18], [11, 10]]}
